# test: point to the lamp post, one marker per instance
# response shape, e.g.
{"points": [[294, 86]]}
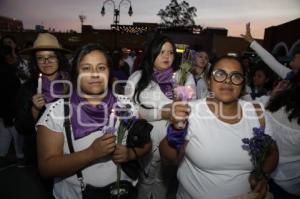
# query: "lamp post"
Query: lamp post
{"points": [[116, 18], [82, 18]]}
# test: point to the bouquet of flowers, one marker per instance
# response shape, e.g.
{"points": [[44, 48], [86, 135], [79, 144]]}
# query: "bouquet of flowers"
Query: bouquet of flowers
{"points": [[185, 68], [258, 147], [182, 92]]}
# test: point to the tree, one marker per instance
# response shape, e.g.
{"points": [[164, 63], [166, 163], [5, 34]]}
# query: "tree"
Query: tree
{"points": [[178, 14]]}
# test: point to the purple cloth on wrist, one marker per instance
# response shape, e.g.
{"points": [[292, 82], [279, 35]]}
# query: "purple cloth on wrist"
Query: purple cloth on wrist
{"points": [[176, 137]]}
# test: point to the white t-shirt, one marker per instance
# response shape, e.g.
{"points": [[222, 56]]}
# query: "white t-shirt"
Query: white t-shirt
{"points": [[201, 88], [287, 135], [100, 174], [215, 165]]}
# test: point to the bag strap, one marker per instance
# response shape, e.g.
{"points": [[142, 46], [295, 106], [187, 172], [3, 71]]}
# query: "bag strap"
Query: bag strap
{"points": [[260, 114], [67, 125]]}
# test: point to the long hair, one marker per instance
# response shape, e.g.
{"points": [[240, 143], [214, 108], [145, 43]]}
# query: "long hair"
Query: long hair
{"points": [[63, 65], [289, 99], [147, 63], [81, 52]]}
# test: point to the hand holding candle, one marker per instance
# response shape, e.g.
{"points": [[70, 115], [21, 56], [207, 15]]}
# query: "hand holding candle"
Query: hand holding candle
{"points": [[112, 119], [110, 128], [39, 87]]}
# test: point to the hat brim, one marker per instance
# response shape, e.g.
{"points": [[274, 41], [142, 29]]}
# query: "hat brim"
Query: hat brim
{"points": [[32, 50]]}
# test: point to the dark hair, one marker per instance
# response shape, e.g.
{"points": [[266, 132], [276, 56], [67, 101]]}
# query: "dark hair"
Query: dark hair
{"points": [[8, 37], [209, 73], [83, 51], [147, 63], [116, 58], [261, 66], [225, 57], [198, 48], [63, 64], [14, 40], [289, 99]]}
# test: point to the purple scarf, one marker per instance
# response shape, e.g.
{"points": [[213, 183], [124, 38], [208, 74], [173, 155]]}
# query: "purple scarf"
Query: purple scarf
{"points": [[87, 118], [165, 81], [58, 88]]}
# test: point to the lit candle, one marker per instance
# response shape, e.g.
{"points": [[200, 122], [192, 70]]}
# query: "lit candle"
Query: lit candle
{"points": [[174, 78], [111, 119], [39, 88]]}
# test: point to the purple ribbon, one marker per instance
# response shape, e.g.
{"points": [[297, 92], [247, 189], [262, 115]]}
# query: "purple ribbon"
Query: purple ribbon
{"points": [[164, 79], [176, 137], [88, 118]]}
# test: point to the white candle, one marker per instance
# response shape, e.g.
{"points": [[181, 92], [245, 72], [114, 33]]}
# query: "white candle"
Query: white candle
{"points": [[111, 119], [39, 88], [174, 79]]}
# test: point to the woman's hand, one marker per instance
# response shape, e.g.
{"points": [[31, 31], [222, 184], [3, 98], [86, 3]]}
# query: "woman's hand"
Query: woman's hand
{"points": [[180, 112], [104, 145], [280, 87], [259, 187], [38, 101], [122, 154], [248, 37]]}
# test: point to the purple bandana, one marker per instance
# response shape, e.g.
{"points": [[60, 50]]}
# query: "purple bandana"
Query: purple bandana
{"points": [[58, 88], [165, 81], [87, 118]]}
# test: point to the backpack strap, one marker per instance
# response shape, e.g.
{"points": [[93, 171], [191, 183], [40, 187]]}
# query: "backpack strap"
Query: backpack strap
{"points": [[260, 114], [67, 125]]}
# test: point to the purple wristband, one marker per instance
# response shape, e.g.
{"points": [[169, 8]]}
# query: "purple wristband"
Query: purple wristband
{"points": [[176, 136]]}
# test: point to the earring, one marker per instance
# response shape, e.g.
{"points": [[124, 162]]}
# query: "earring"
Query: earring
{"points": [[211, 94]]}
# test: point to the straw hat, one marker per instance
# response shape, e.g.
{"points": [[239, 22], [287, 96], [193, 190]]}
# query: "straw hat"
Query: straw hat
{"points": [[45, 41]]}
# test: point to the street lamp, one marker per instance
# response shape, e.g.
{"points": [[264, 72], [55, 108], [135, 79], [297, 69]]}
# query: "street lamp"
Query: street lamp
{"points": [[82, 18], [116, 18]]}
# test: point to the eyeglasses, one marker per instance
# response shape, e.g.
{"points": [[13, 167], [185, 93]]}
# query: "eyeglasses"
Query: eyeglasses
{"points": [[220, 76], [50, 59]]}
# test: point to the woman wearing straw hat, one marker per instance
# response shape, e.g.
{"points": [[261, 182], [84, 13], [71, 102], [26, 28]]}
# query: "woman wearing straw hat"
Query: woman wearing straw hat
{"points": [[49, 68]]}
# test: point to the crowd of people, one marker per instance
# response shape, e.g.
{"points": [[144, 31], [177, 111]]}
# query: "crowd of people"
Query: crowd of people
{"points": [[153, 125]]}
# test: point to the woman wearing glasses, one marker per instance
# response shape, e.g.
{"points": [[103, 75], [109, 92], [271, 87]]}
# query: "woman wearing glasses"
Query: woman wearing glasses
{"points": [[212, 163], [47, 64]]}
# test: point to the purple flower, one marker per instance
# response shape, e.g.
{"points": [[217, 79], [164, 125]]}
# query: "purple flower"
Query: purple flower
{"points": [[184, 93], [258, 147], [246, 140]]}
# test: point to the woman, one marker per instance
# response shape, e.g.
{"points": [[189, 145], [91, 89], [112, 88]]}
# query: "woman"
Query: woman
{"points": [[261, 83], [212, 163], [280, 69], [95, 151], [284, 115], [48, 60], [153, 95], [9, 85], [200, 67], [23, 72]]}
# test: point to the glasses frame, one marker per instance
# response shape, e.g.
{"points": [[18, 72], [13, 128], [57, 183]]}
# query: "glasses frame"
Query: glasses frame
{"points": [[230, 75], [49, 59]]}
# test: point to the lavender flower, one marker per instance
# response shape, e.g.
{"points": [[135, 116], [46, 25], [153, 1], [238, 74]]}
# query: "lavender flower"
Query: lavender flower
{"points": [[258, 146]]}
